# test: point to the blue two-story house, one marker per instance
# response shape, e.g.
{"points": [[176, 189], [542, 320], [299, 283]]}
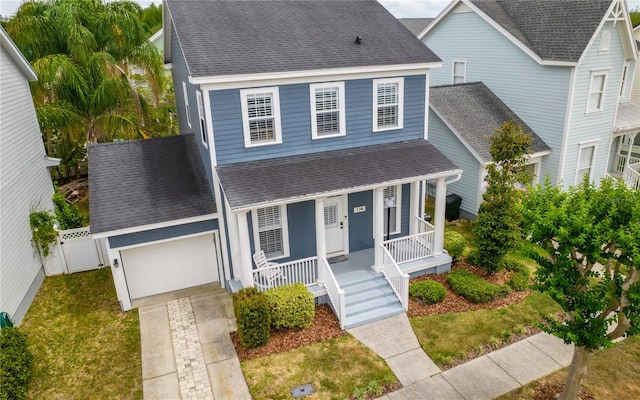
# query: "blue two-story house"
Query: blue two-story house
{"points": [[308, 123], [565, 68]]}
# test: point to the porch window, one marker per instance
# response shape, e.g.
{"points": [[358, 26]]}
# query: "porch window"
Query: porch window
{"points": [[327, 110], [261, 116], [270, 231], [586, 161], [203, 127], [388, 104], [187, 109], [459, 72], [392, 216], [595, 100]]}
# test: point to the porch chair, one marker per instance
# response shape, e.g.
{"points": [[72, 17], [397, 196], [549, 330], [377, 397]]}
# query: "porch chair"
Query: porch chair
{"points": [[267, 278]]}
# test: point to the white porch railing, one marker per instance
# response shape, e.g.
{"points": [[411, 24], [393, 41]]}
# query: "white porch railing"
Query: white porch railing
{"points": [[398, 280], [631, 176], [304, 270], [621, 161], [412, 247], [335, 294]]}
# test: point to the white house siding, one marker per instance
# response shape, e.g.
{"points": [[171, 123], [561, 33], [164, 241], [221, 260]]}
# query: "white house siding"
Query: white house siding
{"points": [[24, 183], [469, 185], [635, 91], [538, 94], [599, 125]]}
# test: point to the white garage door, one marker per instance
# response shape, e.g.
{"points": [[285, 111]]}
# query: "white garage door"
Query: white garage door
{"points": [[168, 266]]}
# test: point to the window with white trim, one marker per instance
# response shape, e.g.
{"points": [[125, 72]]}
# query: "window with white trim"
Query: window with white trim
{"points": [[595, 99], [327, 110], [261, 116], [586, 161], [605, 41], [270, 231], [203, 126], [388, 104], [187, 109], [459, 72], [392, 213], [623, 81]]}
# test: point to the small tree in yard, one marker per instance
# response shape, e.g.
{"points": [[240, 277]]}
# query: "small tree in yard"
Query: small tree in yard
{"points": [[497, 228], [592, 266]]}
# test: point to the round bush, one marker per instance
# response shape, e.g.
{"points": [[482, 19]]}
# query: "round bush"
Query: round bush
{"points": [[521, 276], [252, 317], [16, 363], [455, 244], [473, 287], [291, 306], [427, 291]]}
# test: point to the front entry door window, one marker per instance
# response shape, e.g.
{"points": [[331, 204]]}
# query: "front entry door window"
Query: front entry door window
{"points": [[334, 225]]}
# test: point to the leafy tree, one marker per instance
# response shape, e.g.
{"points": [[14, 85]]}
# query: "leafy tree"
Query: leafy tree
{"points": [[85, 53], [591, 266], [151, 18], [497, 228], [635, 17]]}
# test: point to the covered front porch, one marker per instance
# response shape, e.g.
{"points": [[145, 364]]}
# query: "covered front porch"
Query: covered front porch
{"points": [[625, 147], [353, 246]]}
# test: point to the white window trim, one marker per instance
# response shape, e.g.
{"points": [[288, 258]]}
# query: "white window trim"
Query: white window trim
{"points": [[624, 80], [203, 121], [453, 71], [275, 93], [398, 228], [341, 109], [594, 73], [285, 231], [605, 41], [400, 82], [187, 107], [594, 144]]}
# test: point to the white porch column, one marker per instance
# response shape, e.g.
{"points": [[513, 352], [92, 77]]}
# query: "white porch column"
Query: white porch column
{"points": [[321, 241], [633, 139], [246, 264], [414, 211], [378, 228], [234, 244], [438, 218]]}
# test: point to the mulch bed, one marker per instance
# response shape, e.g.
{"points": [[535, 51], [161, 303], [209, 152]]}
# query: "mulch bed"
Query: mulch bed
{"points": [[550, 391]]}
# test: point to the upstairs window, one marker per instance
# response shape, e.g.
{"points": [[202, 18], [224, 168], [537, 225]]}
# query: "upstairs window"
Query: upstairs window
{"points": [[203, 127], [625, 78], [327, 110], [187, 109], [586, 161], [261, 116], [459, 72], [270, 231], [388, 104], [605, 40], [595, 100], [392, 215]]}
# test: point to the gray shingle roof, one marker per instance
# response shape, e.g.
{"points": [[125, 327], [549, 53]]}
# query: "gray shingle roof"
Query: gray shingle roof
{"points": [[142, 182], [287, 178], [554, 30], [225, 37], [415, 25], [474, 111]]}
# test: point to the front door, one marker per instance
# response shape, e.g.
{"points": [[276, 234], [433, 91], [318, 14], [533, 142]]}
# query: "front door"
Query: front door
{"points": [[335, 225]]}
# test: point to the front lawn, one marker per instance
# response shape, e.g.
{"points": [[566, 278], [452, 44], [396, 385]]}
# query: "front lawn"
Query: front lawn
{"points": [[84, 347]]}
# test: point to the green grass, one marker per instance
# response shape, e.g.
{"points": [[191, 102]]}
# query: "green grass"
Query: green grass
{"points": [[463, 228], [84, 347], [612, 374], [450, 337], [337, 369]]}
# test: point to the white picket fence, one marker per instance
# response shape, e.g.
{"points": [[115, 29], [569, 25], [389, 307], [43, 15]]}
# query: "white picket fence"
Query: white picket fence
{"points": [[81, 251]]}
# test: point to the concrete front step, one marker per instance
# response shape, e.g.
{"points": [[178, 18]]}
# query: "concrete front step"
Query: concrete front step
{"points": [[369, 300]]}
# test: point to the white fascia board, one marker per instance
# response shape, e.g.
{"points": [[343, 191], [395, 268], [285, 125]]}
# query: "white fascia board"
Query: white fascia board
{"points": [[17, 56], [439, 18], [156, 35], [51, 161], [538, 154], [166, 28], [459, 136], [158, 225], [313, 196], [319, 75]]}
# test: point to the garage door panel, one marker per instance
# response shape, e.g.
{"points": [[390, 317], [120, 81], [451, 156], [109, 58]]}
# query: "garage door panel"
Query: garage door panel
{"points": [[168, 266]]}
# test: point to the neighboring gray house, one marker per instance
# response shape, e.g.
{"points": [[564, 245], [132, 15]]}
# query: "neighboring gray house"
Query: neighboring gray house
{"points": [[415, 25], [461, 118], [564, 67], [25, 182]]}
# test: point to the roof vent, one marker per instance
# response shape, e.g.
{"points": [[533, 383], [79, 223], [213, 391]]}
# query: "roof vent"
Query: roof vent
{"points": [[358, 40]]}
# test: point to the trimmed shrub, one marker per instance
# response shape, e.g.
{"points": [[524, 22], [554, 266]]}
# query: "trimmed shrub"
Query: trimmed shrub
{"points": [[17, 364], [455, 244], [520, 280], [474, 288], [427, 291], [252, 317], [291, 306]]}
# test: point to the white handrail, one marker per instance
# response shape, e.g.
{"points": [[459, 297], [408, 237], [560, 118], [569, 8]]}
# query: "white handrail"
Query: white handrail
{"points": [[412, 247], [424, 226], [631, 176], [398, 280], [335, 294], [304, 271]]}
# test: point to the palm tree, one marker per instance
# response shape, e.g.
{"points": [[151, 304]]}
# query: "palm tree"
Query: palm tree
{"points": [[83, 52]]}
